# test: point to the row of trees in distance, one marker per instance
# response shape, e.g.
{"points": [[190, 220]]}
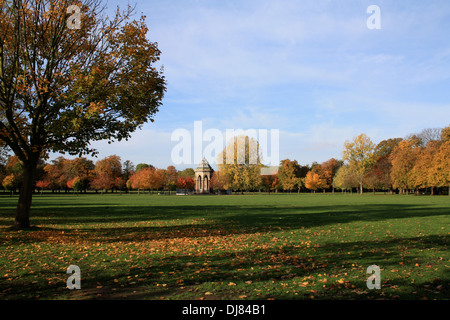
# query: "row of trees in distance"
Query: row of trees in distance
{"points": [[82, 174], [418, 162]]}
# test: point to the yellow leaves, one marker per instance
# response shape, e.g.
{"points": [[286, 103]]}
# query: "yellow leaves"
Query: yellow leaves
{"points": [[161, 285], [359, 150], [304, 284], [9, 182], [95, 109], [313, 181]]}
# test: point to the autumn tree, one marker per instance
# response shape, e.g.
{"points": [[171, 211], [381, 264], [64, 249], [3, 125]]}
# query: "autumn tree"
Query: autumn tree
{"points": [[10, 183], [421, 174], [120, 183], [107, 171], [58, 172], [345, 178], [326, 171], [127, 169], [220, 181], [148, 179], [136, 181], [170, 178], [445, 134], [441, 167], [76, 184], [289, 174], [84, 170], [359, 154], [12, 176], [62, 87], [188, 172], [385, 147], [313, 181], [431, 168], [241, 161], [42, 185], [185, 183], [267, 181], [276, 185], [379, 175], [442, 160], [403, 159], [155, 179], [141, 166], [14, 169]]}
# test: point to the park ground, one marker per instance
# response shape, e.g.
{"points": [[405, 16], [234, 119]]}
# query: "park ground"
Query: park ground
{"points": [[277, 246]]}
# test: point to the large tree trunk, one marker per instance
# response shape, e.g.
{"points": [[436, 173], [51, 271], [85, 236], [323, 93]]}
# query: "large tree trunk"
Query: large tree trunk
{"points": [[26, 194]]}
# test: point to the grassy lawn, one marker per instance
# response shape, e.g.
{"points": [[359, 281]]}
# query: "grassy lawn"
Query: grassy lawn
{"points": [[287, 246]]}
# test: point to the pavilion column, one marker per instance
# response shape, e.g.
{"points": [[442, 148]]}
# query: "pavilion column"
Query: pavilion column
{"points": [[203, 174]]}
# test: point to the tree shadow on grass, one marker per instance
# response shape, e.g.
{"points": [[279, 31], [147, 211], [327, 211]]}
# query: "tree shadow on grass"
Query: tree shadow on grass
{"points": [[255, 270], [271, 267], [166, 222], [205, 221]]}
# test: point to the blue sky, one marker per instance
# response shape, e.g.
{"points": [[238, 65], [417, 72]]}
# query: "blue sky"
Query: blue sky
{"points": [[311, 69]]}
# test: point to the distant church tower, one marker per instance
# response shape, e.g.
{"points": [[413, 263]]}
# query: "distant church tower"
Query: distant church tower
{"points": [[203, 175]]}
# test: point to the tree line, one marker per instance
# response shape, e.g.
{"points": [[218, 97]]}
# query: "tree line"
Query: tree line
{"points": [[108, 174], [417, 163]]}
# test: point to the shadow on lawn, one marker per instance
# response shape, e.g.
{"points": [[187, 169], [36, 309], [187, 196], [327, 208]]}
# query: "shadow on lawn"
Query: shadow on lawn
{"points": [[216, 220], [267, 269], [259, 269]]}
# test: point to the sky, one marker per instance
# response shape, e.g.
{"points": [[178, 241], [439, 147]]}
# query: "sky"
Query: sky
{"points": [[311, 69]]}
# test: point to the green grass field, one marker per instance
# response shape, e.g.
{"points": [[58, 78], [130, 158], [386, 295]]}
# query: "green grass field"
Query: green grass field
{"points": [[277, 246]]}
